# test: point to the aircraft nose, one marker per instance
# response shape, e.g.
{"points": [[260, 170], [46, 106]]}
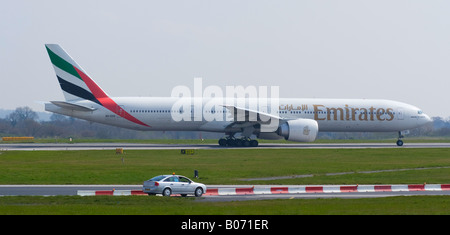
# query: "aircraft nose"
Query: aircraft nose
{"points": [[425, 120], [428, 119]]}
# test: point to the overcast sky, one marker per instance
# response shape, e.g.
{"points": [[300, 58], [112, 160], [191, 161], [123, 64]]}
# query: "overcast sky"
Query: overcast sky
{"points": [[398, 50]]}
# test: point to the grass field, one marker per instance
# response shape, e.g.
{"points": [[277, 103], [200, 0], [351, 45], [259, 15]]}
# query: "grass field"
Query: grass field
{"points": [[143, 205], [226, 166]]}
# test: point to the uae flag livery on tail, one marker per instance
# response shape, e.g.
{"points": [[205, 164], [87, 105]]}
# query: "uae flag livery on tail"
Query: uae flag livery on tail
{"points": [[77, 85]]}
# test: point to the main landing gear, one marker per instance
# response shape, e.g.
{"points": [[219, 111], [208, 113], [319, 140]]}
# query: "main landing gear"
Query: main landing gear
{"points": [[231, 141], [400, 141]]}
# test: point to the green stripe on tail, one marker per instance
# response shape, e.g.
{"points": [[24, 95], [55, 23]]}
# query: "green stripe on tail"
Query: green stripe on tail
{"points": [[62, 64]]}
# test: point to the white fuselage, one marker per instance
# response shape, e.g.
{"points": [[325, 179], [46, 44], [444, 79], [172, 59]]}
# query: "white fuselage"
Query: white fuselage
{"points": [[332, 115]]}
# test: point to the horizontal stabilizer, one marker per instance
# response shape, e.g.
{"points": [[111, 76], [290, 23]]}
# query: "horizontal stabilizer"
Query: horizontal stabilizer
{"points": [[76, 107]]}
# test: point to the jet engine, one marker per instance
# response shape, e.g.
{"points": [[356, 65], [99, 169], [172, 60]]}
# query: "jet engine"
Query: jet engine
{"points": [[300, 130], [269, 136]]}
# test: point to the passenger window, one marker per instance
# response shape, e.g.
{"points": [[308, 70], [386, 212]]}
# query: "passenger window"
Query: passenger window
{"points": [[184, 180], [172, 179]]}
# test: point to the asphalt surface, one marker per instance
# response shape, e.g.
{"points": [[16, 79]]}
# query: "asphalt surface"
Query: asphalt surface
{"points": [[133, 146], [57, 190], [71, 190]]}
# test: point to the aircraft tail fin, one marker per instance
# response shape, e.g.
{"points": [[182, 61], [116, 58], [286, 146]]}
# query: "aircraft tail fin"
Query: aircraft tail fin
{"points": [[74, 81], [77, 85]]}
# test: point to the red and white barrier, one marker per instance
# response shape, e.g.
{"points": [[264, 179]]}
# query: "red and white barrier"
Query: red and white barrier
{"points": [[222, 191], [110, 192], [325, 189]]}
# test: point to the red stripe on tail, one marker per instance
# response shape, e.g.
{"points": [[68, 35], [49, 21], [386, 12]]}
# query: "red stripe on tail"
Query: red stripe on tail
{"points": [[105, 100]]}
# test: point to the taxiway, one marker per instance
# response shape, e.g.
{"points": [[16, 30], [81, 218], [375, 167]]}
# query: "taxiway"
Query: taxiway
{"points": [[134, 146]]}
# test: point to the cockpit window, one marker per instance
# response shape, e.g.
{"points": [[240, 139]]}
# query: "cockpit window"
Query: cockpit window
{"points": [[419, 112]]}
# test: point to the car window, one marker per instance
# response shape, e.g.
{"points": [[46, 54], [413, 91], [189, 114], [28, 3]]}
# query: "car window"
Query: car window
{"points": [[184, 180], [171, 179], [157, 178]]}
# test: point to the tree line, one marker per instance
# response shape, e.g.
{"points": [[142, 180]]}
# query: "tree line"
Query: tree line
{"points": [[23, 121]]}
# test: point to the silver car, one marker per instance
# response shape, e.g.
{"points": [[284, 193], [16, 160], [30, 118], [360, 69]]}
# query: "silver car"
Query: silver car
{"points": [[173, 184]]}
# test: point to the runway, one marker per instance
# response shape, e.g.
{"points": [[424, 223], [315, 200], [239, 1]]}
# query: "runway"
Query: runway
{"points": [[134, 146]]}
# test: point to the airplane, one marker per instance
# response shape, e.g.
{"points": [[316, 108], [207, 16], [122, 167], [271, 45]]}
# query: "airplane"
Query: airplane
{"points": [[293, 119]]}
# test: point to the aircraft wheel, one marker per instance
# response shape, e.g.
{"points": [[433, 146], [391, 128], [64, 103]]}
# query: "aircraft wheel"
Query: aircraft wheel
{"points": [[254, 143], [399, 142], [231, 143], [223, 142]]}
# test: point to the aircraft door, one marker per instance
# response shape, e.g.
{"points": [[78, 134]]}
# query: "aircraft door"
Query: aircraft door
{"points": [[111, 117], [120, 110]]}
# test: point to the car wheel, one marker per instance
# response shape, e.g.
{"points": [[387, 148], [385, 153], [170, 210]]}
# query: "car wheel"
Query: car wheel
{"points": [[198, 192], [166, 192]]}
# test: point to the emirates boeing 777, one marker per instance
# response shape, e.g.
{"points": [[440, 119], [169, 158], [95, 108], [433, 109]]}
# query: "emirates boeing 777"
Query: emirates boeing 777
{"points": [[294, 119]]}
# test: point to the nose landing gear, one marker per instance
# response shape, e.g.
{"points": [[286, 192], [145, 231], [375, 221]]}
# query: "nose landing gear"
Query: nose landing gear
{"points": [[400, 141]]}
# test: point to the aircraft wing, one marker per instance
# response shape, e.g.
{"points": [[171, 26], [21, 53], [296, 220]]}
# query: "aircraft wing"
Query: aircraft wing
{"points": [[243, 117]]}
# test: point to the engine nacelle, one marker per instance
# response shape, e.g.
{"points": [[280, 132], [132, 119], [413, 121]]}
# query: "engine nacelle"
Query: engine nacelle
{"points": [[300, 130], [269, 136]]}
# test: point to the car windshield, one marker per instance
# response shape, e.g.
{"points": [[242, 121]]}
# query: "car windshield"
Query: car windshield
{"points": [[158, 178]]}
